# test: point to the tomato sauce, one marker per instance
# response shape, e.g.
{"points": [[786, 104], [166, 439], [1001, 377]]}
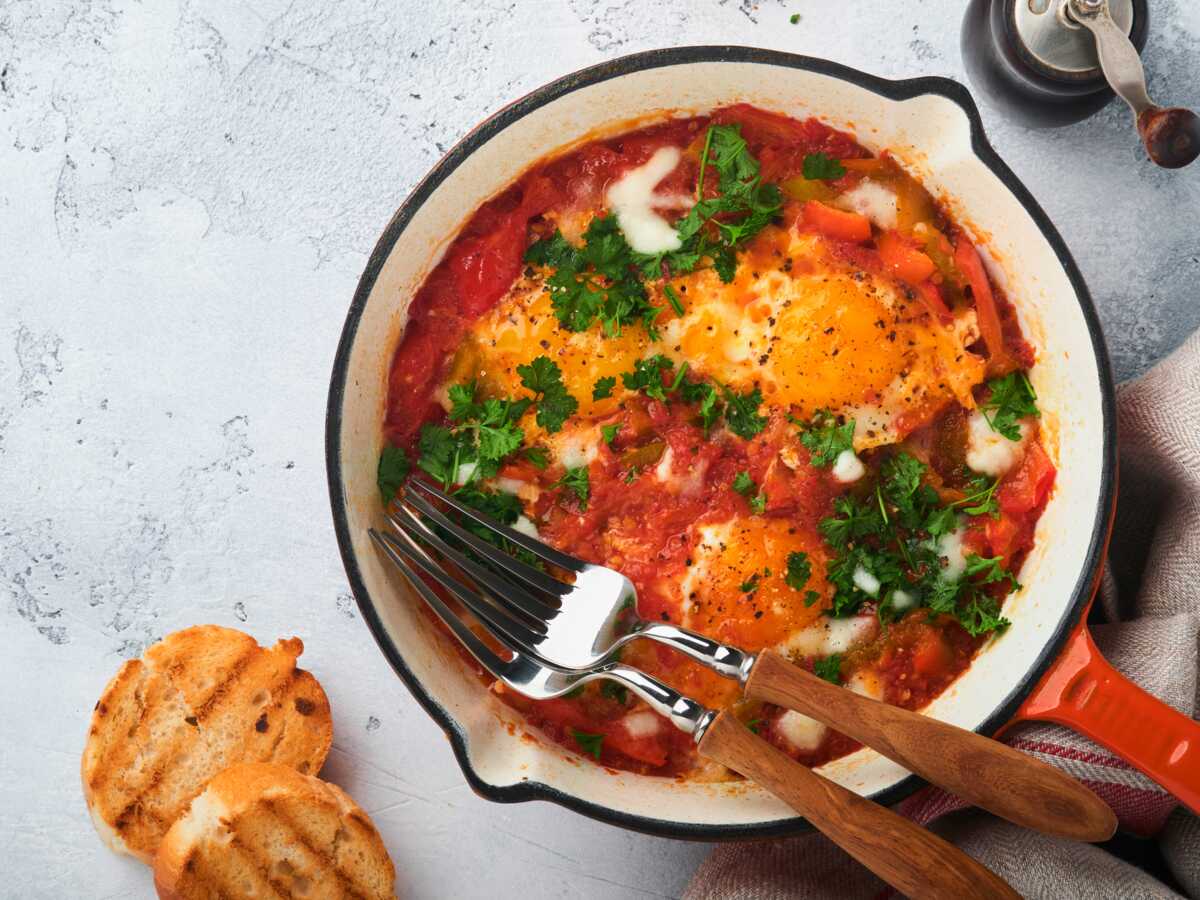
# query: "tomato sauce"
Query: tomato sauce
{"points": [[642, 524]]}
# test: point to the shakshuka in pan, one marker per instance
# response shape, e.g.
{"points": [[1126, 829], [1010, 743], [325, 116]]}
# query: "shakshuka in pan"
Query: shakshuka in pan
{"points": [[761, 372]]}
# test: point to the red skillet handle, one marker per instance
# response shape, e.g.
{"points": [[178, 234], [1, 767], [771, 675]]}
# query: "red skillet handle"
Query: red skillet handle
{"points": [[1085, 693]]}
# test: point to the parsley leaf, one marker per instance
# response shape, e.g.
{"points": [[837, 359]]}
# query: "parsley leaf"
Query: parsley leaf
{"points": [[504, 508], [440, 449], [981, 497], [554, 404], [825, 439], [673, 299], [647, 376], [892, 533], [981, 614], [576, 480], [588, 743], [610, 431], [741, 413], [596, 282], [1010, 399], [603, 387], [750, 584], [990, 570], [538, 456], [480, 437], [941, 521], [714, 226], [799, 570], [705, 394], [744, 485], [819, 167], [393, 469], [829, 668]]}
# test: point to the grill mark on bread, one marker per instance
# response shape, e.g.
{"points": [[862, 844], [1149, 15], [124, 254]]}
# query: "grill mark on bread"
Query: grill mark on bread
{"points": [[224, 687], [225, 701], [151, 751], [302, 836], [253, 859], [327, 859], [205, 876]]}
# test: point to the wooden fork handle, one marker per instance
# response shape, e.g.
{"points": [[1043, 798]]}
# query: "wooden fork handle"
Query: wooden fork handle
{"points": [[914, 861], [984, 772]]}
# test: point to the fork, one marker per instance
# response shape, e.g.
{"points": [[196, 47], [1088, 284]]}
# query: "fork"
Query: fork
{"points": [[579, 626], [902, 853]]}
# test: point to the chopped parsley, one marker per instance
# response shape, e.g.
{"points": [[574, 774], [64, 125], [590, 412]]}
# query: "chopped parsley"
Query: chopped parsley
{"points": [[595, 282], [819, 167], [554, 405], [588, 743], [750, 585], [504, 508], [1010, 399], [829, 668], [825, 438], [673, 299], [481, 435], [703, 393], [603, 387], [714, 226], [755, 725], [744, 485], [799, 570], [538, 456], [981, 497], [577, 482], [741, 413], [794, 18], [610, 431], [393, 469], [647, 377], [892, 534]]}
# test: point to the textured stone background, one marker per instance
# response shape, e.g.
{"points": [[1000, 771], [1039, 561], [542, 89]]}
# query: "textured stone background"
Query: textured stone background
{"points": [[188, 192]]}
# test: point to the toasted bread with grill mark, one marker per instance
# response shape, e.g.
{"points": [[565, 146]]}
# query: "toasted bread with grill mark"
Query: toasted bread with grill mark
{"points": [[197, 702], [264, 830]]}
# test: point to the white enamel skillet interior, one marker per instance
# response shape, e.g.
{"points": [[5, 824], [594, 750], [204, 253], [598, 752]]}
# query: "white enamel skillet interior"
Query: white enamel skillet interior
{"points": [[933, 127]]}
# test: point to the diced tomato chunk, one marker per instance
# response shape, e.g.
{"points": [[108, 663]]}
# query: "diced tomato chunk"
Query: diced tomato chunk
{"points": [[836, 223], [931, 656], [1026, 487], [966, 258], [931, 299], [902, 258], [651, 749]]}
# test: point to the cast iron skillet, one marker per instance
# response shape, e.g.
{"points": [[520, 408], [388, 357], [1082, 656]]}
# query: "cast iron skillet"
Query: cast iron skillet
{"points": [[1038, 695]]}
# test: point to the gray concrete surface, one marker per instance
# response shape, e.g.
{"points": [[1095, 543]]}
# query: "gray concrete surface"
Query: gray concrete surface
{"points": [[188, 193]]}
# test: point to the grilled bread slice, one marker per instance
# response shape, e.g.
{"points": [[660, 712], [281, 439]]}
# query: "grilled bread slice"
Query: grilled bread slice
{"points": [[197, 702], [264, 830]]}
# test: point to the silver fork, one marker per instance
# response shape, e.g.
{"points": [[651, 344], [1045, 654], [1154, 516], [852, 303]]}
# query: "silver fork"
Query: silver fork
{"points": [[902, 853], [583, 625]]}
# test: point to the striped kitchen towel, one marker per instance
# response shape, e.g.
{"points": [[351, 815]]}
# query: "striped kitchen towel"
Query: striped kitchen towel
{"points": [[1151, 601]]}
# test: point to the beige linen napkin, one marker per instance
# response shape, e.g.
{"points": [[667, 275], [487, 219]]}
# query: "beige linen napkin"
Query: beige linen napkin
{"points": [[1151, 598]]}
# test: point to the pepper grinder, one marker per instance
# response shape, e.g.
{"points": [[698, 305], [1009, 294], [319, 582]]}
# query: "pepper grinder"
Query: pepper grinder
{"points": [[1053, 62]]}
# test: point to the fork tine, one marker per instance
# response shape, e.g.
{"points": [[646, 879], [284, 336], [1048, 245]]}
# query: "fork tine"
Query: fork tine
{"points": [[489, 552], [500, 590], [515, 632], [470, 640], [543, 551]]}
